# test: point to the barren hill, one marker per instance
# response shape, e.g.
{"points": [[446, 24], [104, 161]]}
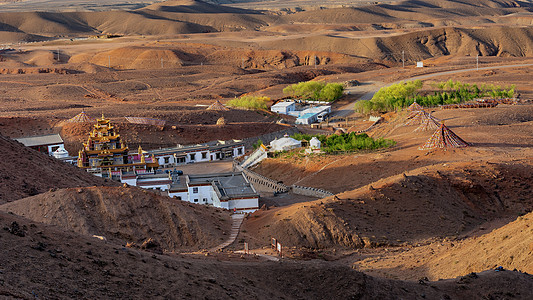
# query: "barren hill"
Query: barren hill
{"points": [[195, 6], [404, 11], [26, 172], [444, 201], [421, 44], [127, 215], [510, 246], [45, 262]]}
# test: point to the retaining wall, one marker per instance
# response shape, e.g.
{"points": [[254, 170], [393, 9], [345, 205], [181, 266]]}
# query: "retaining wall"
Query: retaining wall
{"points": [[310, 191], [260, 182]]}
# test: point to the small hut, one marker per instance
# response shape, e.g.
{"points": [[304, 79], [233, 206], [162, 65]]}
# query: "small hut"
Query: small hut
{"points": [[217, 106], [443, 137], [81, 118]]}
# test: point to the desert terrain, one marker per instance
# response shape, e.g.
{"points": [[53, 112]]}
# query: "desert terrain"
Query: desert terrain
{"points": [[403, 223]]}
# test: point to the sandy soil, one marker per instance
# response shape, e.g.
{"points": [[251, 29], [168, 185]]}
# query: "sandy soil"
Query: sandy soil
{"points": [[128, 216], [46, 262], [399, 213]]}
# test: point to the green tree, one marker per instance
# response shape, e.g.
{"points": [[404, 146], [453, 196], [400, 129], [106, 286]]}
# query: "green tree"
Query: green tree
{"points": [[331, 92]]}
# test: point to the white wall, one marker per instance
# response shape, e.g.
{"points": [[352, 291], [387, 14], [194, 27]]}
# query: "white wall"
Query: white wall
{"points": [[204, 192], [244, 203], [51, 148], [236, 151], [184, 195]]}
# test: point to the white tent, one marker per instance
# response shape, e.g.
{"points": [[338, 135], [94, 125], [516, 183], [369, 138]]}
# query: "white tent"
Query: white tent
{"points": [[314, 143], [284, 144]]}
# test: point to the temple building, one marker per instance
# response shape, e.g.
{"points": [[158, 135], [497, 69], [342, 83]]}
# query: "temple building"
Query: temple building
{"points": [[105, 155]]}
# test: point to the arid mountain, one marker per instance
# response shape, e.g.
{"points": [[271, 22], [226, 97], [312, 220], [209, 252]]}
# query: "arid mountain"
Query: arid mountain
{"points": [[128, 215]]}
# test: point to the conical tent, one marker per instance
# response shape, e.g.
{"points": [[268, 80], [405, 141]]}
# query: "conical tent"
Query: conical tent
{"points": [[430, 123], [217, 106], [417, 118], [81, 118], [443, 138], [414, 107]]}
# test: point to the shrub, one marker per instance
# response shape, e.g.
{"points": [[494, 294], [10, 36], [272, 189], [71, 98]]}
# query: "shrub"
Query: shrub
{"points": [[250, 102], [347, 142], [315, 91], [403, 94]]}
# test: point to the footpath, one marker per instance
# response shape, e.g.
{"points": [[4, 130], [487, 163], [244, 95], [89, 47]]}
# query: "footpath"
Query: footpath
{"points": [[235, 227]]}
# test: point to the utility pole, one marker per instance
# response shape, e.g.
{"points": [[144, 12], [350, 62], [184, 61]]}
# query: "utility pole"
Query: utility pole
{"points": [[477, 62], [161, 63], [403, 59], [57, 55], [242, 63]]}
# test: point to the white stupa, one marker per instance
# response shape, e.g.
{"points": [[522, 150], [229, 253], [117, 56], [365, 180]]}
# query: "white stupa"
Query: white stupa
{"points": [[314, 143], [284, 144], [60, 153]]}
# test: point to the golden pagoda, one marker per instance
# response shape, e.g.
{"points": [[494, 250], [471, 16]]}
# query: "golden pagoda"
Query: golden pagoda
{"points": [[104, 152]]}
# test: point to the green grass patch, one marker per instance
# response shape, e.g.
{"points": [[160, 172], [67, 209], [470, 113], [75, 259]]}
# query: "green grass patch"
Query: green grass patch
{"points": [[347, 142]]}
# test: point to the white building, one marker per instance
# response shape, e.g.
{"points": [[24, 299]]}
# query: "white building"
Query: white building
{"points": [[310, 115], [212, 151], [231, 191], [283, 107], [284, 144], [158, 181], [43, 143]]}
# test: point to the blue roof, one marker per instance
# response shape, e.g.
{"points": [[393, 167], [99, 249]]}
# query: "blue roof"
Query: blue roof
{"points": [[307, 116]]}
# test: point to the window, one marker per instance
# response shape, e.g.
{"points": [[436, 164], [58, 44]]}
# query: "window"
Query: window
{"points": [[204, 155], [239, 151], [192, 156], [196, 200], [205, 199], [195, 190], [167, 159]]}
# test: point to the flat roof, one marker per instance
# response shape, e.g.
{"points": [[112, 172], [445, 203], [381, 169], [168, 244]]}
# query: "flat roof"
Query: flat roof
{"points": [[283, 104], [231, 185], [317, 109], [40, 140], [307, 116], [214, 145]]}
